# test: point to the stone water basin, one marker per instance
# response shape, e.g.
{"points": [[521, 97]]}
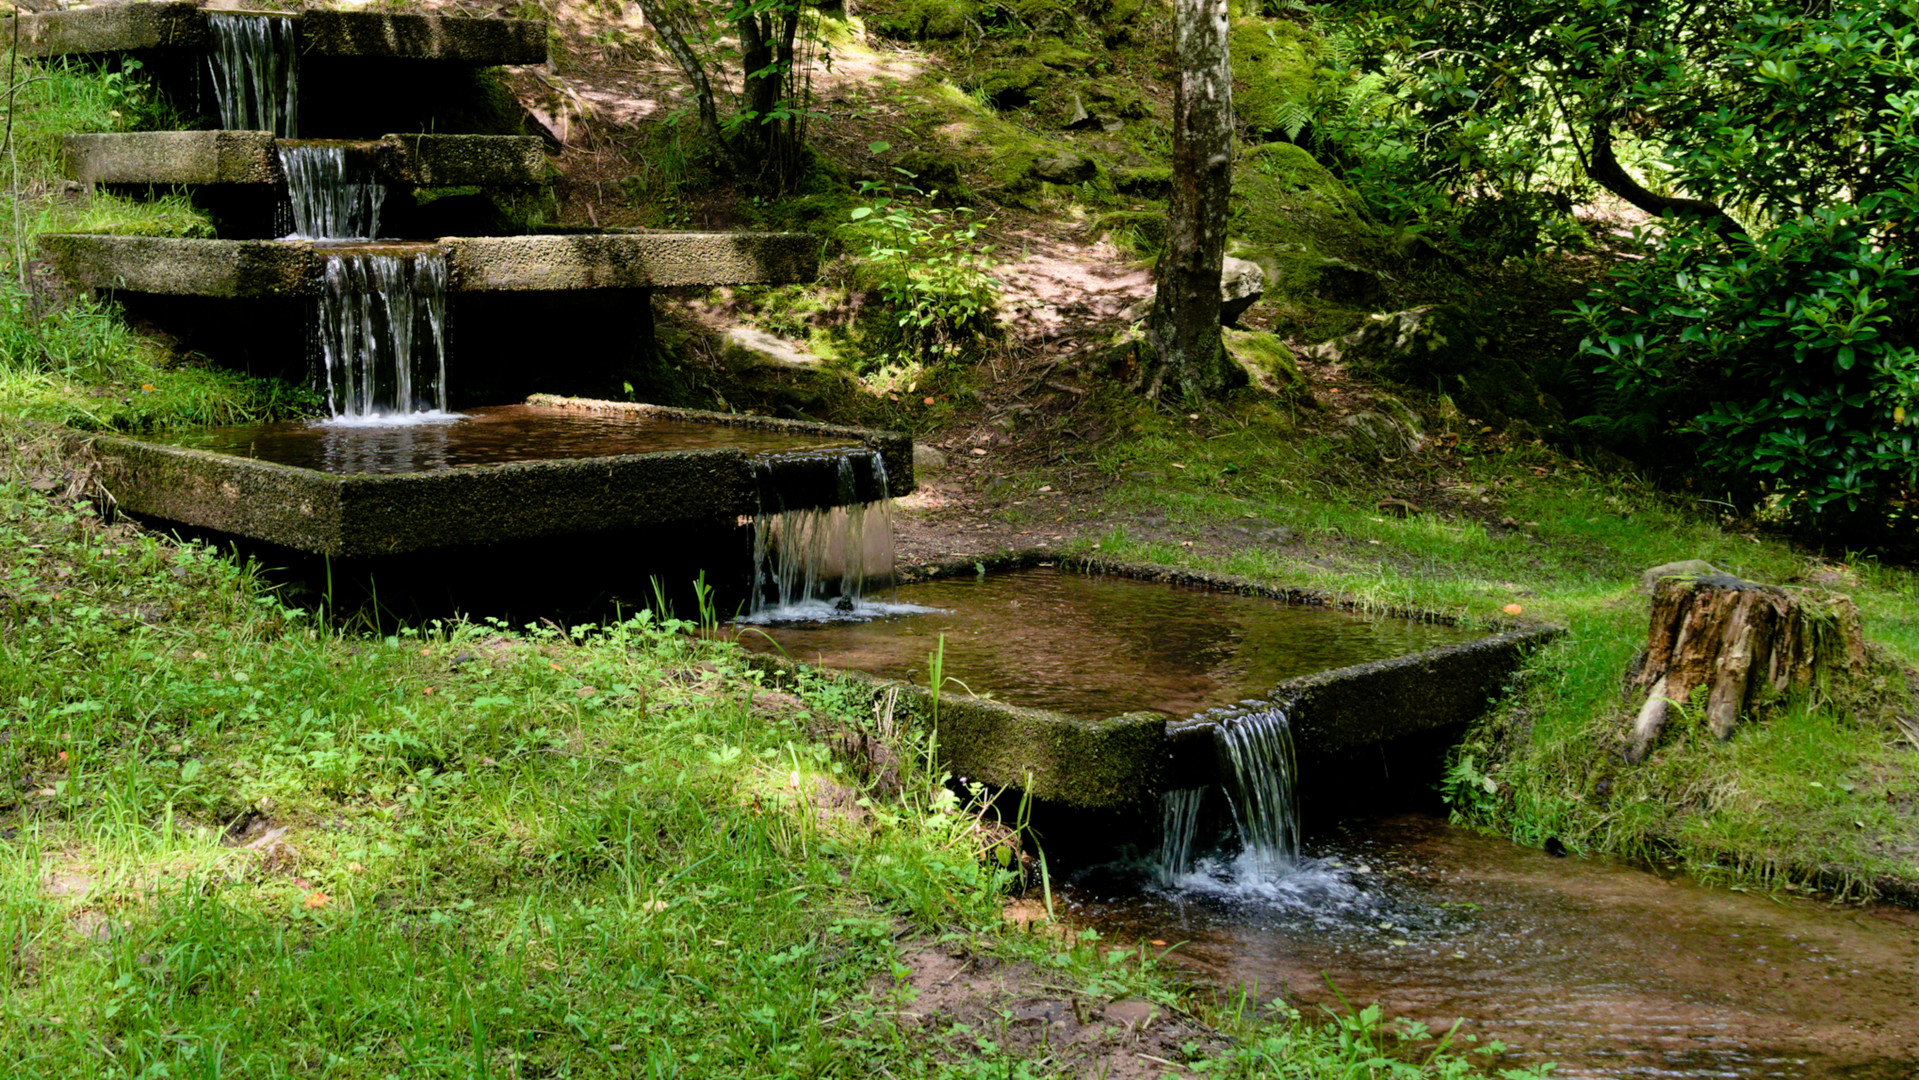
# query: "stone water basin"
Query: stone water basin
{"points": [[1100, 673], [549, 467]]}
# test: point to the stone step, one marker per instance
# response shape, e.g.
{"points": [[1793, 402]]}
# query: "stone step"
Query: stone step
{"points": [[192, 158], [138, 27], [241, 269], [380, 510]]}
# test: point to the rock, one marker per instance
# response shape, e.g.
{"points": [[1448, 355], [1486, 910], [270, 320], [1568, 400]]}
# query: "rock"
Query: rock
{"points": [[1444, 348], [1064, 167], [777, 375], [930, 169], [1268, 363], [1277, 535], [1377, 435], [1649, 580], [1241, 284], [1151, 182], [1012, 87], [927, 459], [1062, 57], [1344, 283]]}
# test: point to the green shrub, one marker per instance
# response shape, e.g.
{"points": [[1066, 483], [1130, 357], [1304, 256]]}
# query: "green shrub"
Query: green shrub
{"points": [[931, 266], [1787, 365]]}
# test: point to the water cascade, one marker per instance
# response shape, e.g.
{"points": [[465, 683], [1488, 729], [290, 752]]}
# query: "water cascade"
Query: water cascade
{"points": [[328, 197], [255, 66], [1258, 770], [821, 561], [382, 333], [1179, 831]]}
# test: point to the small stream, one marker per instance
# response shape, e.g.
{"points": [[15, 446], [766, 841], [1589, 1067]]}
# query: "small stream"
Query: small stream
{"points": [[1607, 968]]}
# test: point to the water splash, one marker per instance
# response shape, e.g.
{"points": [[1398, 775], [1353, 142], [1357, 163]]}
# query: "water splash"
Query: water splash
{"points": [[1258, 768], [822, 562], [255, 66], [330, 196], [382, 333], [1179, 832]]}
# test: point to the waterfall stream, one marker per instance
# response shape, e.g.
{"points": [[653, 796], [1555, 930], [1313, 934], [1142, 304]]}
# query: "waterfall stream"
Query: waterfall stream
{"points": [[382, 333], [823, 561], [1257, 768], [255, 66], [330, 196]]}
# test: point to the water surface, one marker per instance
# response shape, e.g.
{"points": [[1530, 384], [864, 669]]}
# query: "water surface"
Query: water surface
{"points": [[1610, 969], [488, 436], [1096, 645]]}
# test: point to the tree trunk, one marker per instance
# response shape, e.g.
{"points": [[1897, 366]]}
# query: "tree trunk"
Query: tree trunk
{"points": [[766, 69], [1183, 327], [1607, 172], [690, 66], [1746, 643]]}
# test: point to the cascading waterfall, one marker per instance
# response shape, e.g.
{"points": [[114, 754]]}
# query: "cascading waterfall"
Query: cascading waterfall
{"points": [[1258, 768], [328, 197], [1179, 832], [255, 66], [827, 558], [382, 333]]}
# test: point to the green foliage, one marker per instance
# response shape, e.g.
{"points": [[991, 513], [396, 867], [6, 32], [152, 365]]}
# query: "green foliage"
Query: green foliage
{"points": [[931, 266], [1787, 364]]}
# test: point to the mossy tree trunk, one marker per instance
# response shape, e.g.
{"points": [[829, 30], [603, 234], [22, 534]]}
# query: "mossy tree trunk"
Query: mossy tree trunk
{"points": [[1747, 643], [1183, 328]]}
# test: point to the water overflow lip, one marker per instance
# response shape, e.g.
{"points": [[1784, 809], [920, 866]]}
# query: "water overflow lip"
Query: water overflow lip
{"points": [[494, 435], [1093, 646]]}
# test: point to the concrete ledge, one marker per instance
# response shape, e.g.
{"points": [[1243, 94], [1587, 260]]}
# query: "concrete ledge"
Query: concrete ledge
{"points": [[170, 266], [364, 515], [1122, 762], [132, 27], [631, 260], [251, 157], [895, 448]]}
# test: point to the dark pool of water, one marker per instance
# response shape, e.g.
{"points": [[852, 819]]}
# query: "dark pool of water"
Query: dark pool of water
{"points": [[1607, 968], [1097, 645], [488, 436]]}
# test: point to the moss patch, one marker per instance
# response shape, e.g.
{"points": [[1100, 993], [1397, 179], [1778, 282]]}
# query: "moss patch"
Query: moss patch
{"points": [[1274, 64]]}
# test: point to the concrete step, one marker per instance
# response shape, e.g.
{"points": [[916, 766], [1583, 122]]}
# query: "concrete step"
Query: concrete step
{"points": [[142, 27], [195, 158]]}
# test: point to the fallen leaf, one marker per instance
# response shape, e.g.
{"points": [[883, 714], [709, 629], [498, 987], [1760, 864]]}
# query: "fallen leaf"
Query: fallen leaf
{"points": [[1177, 465], [653, 907], [355, 868], [317, 900], [1157, 941], [555, 667], [1513, 609], [979, 451], [929, 401], [428, 690]]}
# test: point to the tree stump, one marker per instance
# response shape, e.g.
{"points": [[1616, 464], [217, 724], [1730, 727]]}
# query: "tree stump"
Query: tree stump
{"points": [[1748, 643]]}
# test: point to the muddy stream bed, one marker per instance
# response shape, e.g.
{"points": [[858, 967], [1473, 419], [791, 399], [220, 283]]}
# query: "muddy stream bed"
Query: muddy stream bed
{"points": [[1607, 968]]}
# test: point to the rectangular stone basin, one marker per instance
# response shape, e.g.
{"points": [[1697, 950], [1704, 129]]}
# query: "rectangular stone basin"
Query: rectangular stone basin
{"points": [[551, 467], [143, 27], [1096, 684], [228, 269], [194, 158]]}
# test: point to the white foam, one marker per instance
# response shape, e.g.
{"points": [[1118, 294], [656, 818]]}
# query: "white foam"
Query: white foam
{"points": [[392, 419], [828, 611], [1311, 885]]}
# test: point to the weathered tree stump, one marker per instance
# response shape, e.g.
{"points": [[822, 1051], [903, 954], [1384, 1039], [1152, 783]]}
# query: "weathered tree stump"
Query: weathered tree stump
{"points": [[1748, 643]]}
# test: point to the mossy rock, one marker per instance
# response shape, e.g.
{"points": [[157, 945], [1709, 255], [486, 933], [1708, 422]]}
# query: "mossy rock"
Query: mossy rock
{"points": [[931, 169], [918, 20], [1151, 182], [1448, 349], [1125, 102], [1267, 362], [1274, 65], [1269, 180], [1063, 57], [1010, 87]]}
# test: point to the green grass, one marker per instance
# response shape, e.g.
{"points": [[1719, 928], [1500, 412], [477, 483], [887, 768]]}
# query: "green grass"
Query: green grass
{"points": [[238, 841], [1808, 793], [70, 359]]}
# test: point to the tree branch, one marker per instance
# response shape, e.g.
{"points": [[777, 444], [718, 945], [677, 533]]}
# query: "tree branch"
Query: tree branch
{"points": [[1607, 172], [690, 66]]}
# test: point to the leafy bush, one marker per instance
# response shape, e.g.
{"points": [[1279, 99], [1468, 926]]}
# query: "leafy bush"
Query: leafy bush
{"points": [[1787, 363], [931, 267]]}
